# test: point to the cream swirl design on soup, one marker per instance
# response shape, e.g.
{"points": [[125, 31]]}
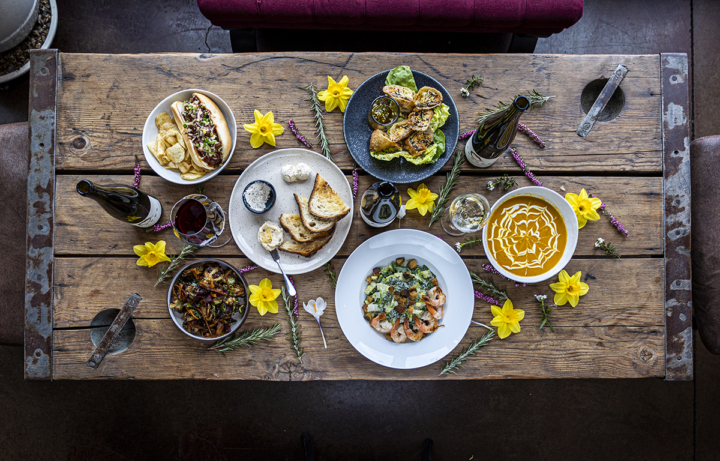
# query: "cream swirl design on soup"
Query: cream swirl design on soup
{"points": [[526, 235]]}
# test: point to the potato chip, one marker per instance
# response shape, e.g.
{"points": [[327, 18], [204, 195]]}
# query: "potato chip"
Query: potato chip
{"points": [[171, 140], [161, 119], [167, 126], [175, 153], [180, 140], [152, 147], [184, 167], [191, 176], [171, 166]]}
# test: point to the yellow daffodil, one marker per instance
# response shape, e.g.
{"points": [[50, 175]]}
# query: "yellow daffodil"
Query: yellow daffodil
{"points": [[506, 319], [263, 297], [584, 207], [422, 199], [264, 129], [569, 289], [150, 254], [337, 94]]}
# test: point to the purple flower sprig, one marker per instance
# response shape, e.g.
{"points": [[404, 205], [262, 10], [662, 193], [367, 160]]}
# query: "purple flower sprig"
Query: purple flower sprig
{"points": [[295, 309], [159, 227], [521, 162], [486, 298], [613, 220], [492, 270], [536, 139], [356, 177], [466, 135], [297, 134], [247, 269], [137, 173]]}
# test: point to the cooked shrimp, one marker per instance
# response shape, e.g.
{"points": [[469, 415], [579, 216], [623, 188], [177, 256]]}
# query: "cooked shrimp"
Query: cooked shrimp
{"points": [[427, 323], [398, 334], [380, 324], [436, 312], [435, 297], [413, 335]]}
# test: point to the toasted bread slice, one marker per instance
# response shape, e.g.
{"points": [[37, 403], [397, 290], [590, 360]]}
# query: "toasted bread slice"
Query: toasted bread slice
{"points": [[419, 141], [379, 141], [306, 249], [399, 131], [292, 223], [420, 119], [312, 223], [428, 98], [325, 203]]}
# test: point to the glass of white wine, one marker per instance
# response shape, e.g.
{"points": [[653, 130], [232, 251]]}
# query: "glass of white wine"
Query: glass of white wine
{"points": [[467, 214]]}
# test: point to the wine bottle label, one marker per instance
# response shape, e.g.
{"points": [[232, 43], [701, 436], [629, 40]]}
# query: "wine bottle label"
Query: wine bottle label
{"points": [[475, 159], [153, 215]]}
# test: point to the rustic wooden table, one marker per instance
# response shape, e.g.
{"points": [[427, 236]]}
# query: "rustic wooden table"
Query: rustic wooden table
{"points": [[86, 117]]}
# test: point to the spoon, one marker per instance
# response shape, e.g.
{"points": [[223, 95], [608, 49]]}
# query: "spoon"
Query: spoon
{"points": [[290, 287]]}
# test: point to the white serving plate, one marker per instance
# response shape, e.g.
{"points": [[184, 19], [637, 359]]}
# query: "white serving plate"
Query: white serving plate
{"points": [[453, 278], [244, 224], [571, 224], [150, 132]]}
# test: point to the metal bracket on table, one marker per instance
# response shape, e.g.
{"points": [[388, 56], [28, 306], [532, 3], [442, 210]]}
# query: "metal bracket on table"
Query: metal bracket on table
{"points": [[115, 328], [605, 95]]}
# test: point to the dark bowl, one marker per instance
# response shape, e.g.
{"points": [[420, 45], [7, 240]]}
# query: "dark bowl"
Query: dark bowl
{"points": [[240, 318], [270, 202], [357, 132]]}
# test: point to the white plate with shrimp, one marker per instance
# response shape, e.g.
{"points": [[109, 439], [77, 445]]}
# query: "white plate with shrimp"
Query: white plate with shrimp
{"points": [[452, 276]]}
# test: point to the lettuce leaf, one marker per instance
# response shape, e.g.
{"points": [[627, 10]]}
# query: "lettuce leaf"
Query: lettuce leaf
{"points": [[401, 76], [440, 116], [431, 154], [439, 140]]}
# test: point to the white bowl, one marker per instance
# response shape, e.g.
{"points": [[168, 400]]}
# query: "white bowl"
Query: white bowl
{"points": [[571, 225], [453, 278], [150, 132]]}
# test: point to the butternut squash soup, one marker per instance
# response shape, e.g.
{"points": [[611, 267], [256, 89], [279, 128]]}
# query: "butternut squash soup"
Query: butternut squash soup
{"points": [[526, 235]]}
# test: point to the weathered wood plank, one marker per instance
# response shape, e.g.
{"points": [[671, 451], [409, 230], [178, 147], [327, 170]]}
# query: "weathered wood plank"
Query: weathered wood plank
{"points": [[82, 290], [105, 100], [83, 228], [161, 352]]}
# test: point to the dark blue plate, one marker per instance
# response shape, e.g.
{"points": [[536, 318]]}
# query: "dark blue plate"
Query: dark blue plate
{"points": [[358, 131]]}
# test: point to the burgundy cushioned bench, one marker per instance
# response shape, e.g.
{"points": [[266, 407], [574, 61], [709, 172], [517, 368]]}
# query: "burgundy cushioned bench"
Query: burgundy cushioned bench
{"points": [[537, 18]]}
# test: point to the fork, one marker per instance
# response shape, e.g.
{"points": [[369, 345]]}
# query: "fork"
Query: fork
{"points": [[290, 287]]}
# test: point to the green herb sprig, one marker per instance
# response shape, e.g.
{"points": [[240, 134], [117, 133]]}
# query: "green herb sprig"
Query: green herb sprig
{"points": [[294, 336], [506, 182], [545, 320], [471, 83], [450, 183], [536, 101], [316, 109], [175, 262], [200, 190], [246, 338], [456, 362], [495, 292], [331, 274], [468, 242], [607, 247]]}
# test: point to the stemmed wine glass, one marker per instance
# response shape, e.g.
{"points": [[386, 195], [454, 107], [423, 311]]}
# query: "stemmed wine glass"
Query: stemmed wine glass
{"points": [[198, 220], [467, 214]]}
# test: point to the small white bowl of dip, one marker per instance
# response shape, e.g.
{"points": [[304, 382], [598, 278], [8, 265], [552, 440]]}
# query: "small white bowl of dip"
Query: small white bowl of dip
{"points": [[571, 227]]}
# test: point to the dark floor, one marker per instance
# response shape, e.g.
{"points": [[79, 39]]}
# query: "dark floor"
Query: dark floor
{"points": [[549, 419]]}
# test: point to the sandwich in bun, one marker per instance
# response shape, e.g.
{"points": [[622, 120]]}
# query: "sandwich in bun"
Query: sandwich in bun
{"points": [[204, 131]]}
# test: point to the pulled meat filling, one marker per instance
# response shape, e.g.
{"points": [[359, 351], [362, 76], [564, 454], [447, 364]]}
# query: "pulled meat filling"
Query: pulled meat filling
{"points": [[202, 131]]}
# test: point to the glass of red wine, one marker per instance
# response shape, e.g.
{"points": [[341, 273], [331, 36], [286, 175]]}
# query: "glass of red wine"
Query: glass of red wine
{"points": [[198, 220]]}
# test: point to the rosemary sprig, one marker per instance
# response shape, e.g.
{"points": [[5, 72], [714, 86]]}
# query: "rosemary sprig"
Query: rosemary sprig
{"points": [[455, 363], [506, 182], [495, 292], [175, 262], [545, 312], [608, 248], [450, 183], [468, 242], [200, 189], [471, 83], [536, 101], [294, 336], [316, 109], [246, 338], [331, 274]]}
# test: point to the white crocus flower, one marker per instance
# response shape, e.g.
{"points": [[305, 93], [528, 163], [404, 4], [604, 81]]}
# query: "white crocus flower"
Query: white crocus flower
{"points": [[316, 307], [458, 246], [491, 186], [599, 242]]}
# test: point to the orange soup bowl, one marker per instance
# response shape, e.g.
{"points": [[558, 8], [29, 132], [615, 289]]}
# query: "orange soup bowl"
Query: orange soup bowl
{"points": [[531, 234]]}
